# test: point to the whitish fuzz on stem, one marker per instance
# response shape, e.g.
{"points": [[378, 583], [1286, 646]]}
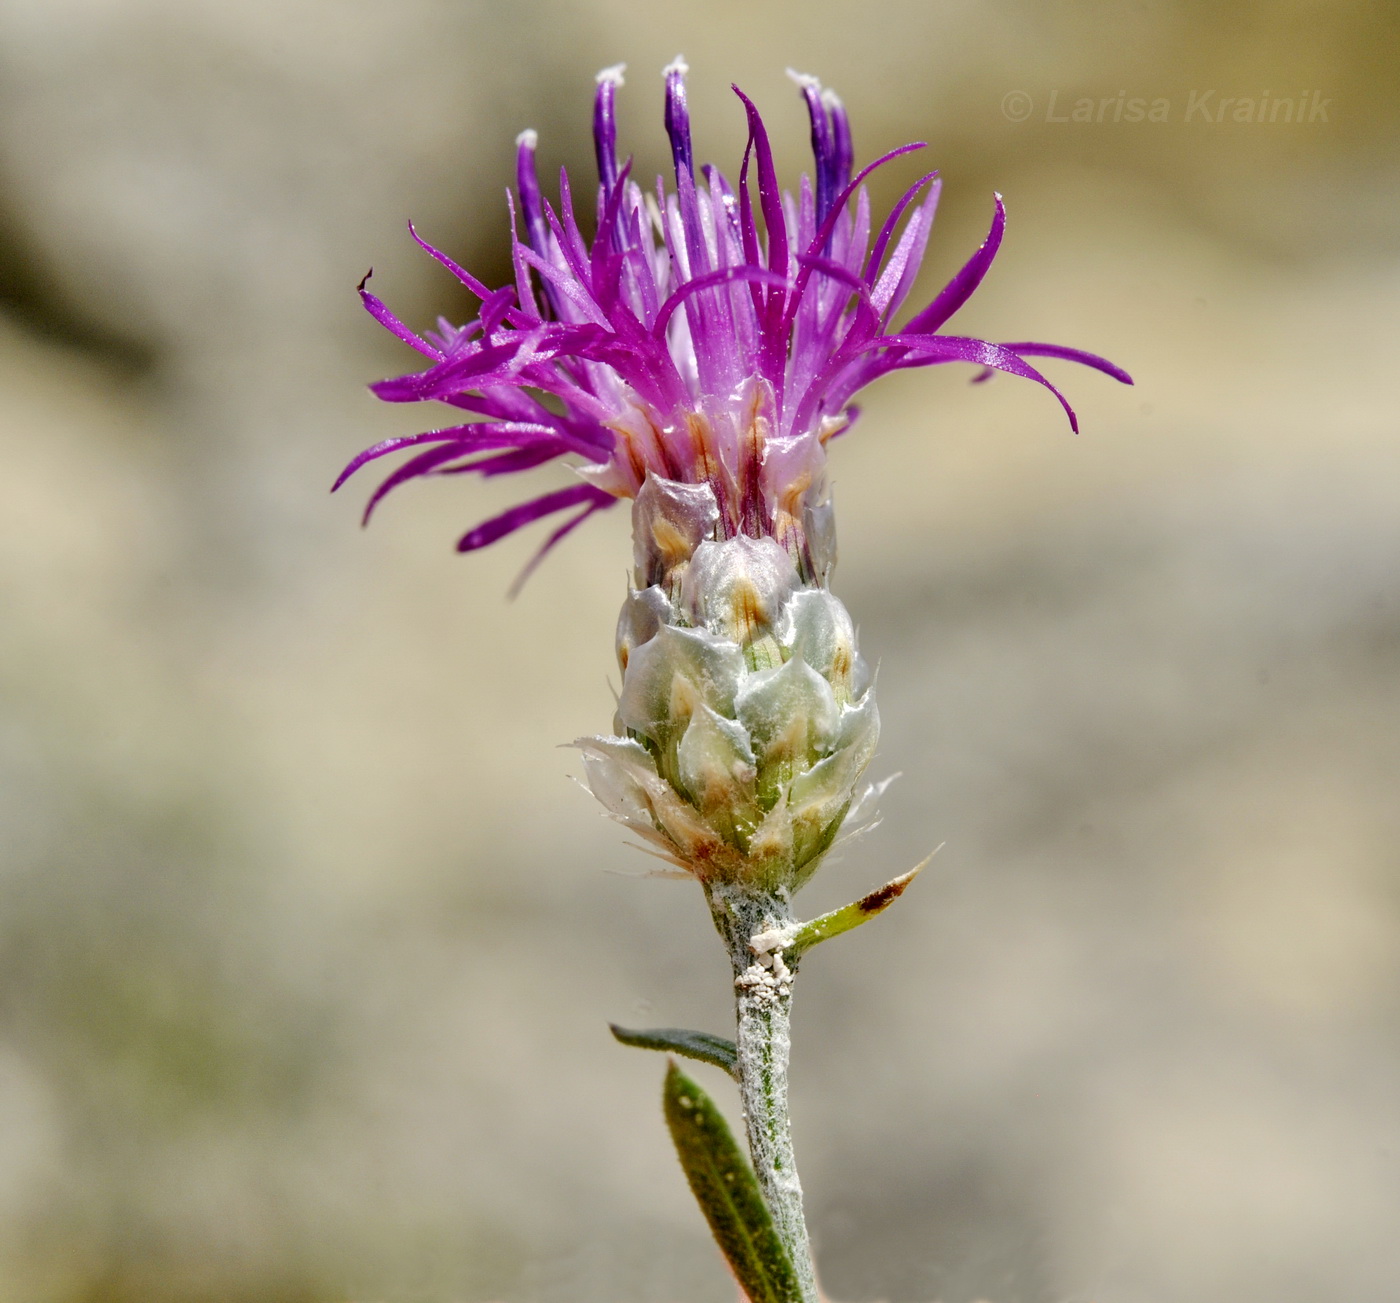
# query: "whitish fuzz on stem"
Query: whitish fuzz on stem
{"points": [[763, 1005]]}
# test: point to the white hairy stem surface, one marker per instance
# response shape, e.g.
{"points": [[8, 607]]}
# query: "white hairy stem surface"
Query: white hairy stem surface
{"points": [[753, 924]]}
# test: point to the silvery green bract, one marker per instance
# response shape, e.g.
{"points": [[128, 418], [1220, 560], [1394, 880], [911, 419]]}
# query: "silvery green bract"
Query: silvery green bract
{"points": [[746, 716]]}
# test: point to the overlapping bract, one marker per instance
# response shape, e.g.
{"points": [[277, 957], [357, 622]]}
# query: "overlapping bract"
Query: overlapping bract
{"points": [[683, 340], [746, 717]]}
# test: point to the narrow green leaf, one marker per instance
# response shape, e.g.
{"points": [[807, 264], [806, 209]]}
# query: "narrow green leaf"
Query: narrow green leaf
{"points": [[679, 1040], [848, 916], [728, 1193]]}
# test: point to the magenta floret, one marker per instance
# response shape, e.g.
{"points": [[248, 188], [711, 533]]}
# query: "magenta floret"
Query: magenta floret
{"points": [[685, 341]]}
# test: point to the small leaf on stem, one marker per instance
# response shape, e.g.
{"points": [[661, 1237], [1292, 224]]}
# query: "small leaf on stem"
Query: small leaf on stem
{"points": [[728, 1194], [707, 1048], [848, 916]]}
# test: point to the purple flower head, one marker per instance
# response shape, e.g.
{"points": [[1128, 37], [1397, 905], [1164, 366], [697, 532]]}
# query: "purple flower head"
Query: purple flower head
{"points": [[711, 334]]}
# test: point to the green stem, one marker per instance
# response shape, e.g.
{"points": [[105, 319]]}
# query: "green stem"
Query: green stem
{"points": [[763, 1002]]}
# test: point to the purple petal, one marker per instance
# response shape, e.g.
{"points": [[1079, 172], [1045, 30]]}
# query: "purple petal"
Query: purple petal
{"points": [[567, 234], [678, 128], [832, 149], [933, 349], [882, 240], [958, 290], [824, 233], [1072, 355], [459, 272], [527, 182], [902, 270], [495, 307], [709, 280], [770, 198], [377, 309], [465, 372], [605, 127], [823, 145], [747, 225], [840, 135], [562, 532], [411, 469], [507, 463], [845, 196], [845, 276], [563, 286], [643, 274], [605, 252], [524, 287], [677, 118], [458, 434], [768, 306], [508, 522]]}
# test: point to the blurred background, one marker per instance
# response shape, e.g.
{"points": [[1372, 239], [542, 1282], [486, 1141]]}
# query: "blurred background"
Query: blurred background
{"points": [[307, 942]]}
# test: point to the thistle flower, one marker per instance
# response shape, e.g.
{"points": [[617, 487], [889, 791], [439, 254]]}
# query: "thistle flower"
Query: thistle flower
{"points": [[699, 367]]}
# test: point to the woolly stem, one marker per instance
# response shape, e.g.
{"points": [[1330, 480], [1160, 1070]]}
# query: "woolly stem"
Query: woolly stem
{"points": [[763, 1002]]}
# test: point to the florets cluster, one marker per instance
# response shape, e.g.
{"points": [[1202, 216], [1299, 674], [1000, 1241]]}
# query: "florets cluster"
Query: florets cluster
{"points": [[700, 336]]}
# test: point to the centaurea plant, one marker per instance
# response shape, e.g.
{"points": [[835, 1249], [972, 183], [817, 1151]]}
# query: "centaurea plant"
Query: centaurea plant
{"points": [[695, 357]]}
